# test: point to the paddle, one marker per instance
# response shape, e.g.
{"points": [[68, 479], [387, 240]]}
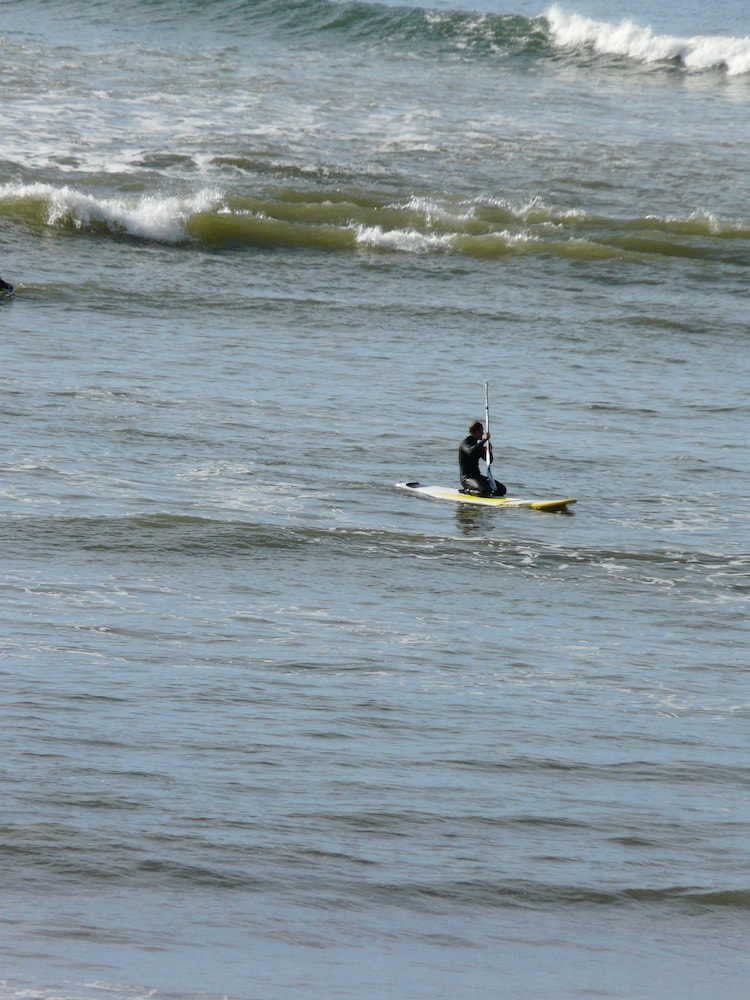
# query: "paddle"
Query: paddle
{"points": [[488, 449]]}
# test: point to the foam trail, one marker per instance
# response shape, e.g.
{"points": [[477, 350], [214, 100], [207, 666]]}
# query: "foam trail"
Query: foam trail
{"points": [[633, 41]]}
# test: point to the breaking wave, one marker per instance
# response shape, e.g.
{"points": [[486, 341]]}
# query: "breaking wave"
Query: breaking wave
{"points": [[357, 220], [641, 45], [424, 32]]}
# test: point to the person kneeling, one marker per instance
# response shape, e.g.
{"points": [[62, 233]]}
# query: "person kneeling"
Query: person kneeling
{"points": [[474, 447]]}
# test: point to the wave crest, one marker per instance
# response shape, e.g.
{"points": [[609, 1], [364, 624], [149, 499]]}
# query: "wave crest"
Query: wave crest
{"points": [[149, 217], [633, 41], [296, 218]]}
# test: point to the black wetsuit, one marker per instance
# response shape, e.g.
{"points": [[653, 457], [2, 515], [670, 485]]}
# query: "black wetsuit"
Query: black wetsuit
{"points": [[5, 287], [472, 480]]}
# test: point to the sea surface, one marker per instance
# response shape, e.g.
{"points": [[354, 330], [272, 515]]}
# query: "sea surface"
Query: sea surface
{"points": [[271, 728]]}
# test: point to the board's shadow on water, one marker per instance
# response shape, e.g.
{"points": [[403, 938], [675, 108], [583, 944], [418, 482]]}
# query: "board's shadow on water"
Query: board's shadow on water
{"points": [[472, 520]]}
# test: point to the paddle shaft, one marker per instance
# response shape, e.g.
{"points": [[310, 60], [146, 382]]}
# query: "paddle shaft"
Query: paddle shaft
{"points": [[488, 449]]}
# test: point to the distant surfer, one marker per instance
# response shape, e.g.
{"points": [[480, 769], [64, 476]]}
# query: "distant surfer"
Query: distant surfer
{"points": [[473, 447], [5, 288]]}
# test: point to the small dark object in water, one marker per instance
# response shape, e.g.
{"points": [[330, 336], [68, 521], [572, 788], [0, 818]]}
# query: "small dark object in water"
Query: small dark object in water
{"points": [[5, 288]]}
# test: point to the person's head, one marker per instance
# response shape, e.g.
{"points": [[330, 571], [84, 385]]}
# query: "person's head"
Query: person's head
{"points": [[476, 429]]}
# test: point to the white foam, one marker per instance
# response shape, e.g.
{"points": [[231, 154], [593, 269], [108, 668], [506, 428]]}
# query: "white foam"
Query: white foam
{"points": [[698, 53], [409, 241], [153, 217]]}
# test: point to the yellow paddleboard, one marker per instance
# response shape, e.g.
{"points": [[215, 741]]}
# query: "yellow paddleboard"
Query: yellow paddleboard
{"points": [[446, 493]]}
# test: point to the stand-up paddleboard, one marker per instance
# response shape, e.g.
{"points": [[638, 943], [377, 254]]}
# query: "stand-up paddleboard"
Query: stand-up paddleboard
{"points": [[446, 493]]}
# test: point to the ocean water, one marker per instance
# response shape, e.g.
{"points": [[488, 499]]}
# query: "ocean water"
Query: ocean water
{"points": [[271, 727]]}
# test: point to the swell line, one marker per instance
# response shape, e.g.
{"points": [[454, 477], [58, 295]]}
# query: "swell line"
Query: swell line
{"points": [[356, 220], [425, 33]]}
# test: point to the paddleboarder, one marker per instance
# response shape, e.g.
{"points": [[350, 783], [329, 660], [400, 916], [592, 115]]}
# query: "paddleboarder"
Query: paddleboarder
{"points": [[474, 447]]}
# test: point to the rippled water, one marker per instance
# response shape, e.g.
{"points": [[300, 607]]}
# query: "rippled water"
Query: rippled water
{"points": [[270, 726]]}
